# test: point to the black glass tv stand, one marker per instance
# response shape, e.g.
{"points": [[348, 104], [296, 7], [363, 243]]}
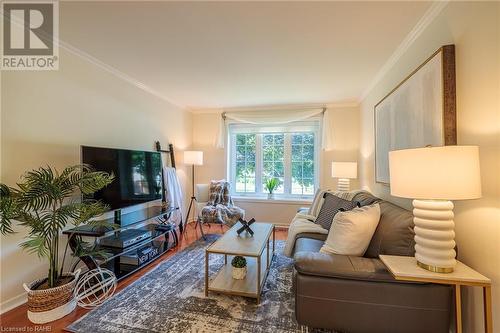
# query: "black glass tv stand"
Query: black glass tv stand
{"points": [[152, 223]]}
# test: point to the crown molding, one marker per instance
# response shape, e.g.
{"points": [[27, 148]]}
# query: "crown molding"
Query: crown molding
{"points": [[426, 19], [115, 72], [347, 104]]}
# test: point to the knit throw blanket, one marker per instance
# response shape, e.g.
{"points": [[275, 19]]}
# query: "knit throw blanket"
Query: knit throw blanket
{"points": [[302, 223]]}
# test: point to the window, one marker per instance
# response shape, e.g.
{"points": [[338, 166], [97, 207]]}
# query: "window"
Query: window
{"points": [[303, 163], [288, 153], [273, 158], [245, 163]]}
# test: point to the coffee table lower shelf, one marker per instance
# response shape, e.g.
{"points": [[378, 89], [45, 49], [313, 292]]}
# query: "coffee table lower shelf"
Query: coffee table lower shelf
{"points": [[255, 248], [224, 283]]}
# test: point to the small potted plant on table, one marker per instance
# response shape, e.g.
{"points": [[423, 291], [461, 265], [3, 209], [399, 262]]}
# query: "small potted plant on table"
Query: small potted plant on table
{"points": [[271, 185], [239, 264], [44, 202]]}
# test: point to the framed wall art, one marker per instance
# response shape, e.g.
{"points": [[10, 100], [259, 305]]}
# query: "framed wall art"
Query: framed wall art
{"points": [[420, 111]]}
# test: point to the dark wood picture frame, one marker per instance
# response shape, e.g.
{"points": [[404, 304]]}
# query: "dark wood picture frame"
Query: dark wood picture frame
{"points": [[449, 135]]}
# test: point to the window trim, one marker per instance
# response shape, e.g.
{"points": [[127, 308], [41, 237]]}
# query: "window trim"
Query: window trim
{"points": [[296, 127]]}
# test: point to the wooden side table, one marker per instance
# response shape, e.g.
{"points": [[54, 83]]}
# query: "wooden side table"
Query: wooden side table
{"points": [[406, 269]]}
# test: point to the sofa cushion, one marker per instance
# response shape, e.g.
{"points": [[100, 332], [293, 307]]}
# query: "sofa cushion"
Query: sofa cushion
{"points": [[339, 266], [394, 233], [352, 231], [331, 206], [365, 198]]}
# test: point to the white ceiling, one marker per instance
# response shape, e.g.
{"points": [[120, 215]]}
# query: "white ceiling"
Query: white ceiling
{"points": [[233, 54]]}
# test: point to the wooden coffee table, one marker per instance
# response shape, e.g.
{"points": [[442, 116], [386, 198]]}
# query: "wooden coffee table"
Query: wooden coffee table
{"points": [[248, 246]]}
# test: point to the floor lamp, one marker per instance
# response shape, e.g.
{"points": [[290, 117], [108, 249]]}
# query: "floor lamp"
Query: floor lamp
{"points": [[344, 171], [192, 157]]}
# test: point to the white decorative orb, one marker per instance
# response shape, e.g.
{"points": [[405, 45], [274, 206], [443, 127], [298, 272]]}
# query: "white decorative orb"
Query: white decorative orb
{"points": [[94, 287]]}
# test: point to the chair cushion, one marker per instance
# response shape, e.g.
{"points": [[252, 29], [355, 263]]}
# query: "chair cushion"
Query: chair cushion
{"points": [[202, 192], [331, 206], [199, 207]]}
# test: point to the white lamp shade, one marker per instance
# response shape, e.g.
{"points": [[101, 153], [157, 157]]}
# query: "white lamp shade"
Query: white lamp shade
{"points": [[436, 173], [345, 170], [193, 157]]}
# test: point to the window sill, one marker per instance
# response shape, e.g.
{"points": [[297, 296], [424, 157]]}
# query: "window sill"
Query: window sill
{"points": [[282, 201]]}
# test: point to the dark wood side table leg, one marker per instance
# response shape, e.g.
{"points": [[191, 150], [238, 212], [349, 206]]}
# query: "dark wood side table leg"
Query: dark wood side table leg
{"points": [[488, 316]]}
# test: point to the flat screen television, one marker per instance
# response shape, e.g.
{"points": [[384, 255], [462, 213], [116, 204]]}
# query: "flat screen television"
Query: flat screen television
{"points": [[137, 175]]}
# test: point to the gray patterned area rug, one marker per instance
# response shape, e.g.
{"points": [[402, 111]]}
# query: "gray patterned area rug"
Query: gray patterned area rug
{"points": [[171, 299]]}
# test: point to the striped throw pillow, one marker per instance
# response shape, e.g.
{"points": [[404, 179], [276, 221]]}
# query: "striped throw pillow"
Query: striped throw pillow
{"points": [[332, 205]]}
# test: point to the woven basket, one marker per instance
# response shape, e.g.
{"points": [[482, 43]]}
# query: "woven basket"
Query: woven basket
{"points": [[51, 304]]}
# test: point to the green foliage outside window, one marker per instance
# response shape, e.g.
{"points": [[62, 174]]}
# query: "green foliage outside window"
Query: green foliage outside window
{"points": [[294, 152]]}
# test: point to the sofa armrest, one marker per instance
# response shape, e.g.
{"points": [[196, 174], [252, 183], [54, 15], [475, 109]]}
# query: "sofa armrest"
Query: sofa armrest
{"points": [[342, 267]]}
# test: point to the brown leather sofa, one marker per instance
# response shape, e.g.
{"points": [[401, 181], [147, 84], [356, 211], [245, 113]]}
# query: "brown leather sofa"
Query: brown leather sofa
{"points": [[357, 294]]}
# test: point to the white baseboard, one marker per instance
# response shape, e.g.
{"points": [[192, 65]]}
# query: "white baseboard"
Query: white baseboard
{"points": [[14, 302]]}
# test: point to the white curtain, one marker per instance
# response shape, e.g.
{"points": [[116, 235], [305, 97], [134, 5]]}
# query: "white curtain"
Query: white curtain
{"points": [[276, 117]]}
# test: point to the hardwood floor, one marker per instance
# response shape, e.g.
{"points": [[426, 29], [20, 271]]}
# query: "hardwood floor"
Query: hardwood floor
{"points": [[16, 319]]}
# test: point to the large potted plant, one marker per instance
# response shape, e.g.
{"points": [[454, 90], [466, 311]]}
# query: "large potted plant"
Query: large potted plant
{"points": [[45, 202]]}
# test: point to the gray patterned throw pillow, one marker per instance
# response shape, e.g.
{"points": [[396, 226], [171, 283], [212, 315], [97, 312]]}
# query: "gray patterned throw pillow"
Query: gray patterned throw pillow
{"points": [[331, 206]]}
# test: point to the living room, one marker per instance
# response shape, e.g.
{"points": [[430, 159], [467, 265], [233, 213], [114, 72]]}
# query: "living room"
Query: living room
{"points": [[377, 120]]}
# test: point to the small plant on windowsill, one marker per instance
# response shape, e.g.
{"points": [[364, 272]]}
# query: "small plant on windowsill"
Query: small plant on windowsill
{"points": [[271, 185], [239, 264]]}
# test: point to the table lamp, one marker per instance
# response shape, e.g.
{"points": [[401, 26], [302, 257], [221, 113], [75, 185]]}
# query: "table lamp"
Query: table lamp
{"points": [[433, 176], [344, 171], [192, 157]]}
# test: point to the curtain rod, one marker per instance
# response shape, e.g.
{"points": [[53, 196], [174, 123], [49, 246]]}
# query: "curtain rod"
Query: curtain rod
{"points": [[223, 114]]}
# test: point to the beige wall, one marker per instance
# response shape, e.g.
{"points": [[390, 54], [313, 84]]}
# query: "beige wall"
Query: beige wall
{"points": [[46, 116], [474, 29], [345, 126]]}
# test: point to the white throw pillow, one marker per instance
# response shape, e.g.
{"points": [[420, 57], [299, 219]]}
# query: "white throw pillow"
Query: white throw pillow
{"points": [[352, 231]]}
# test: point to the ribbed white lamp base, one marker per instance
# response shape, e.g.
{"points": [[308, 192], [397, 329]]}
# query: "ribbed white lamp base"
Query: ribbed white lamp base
{"points": [[434, 235], [343, 184]]}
